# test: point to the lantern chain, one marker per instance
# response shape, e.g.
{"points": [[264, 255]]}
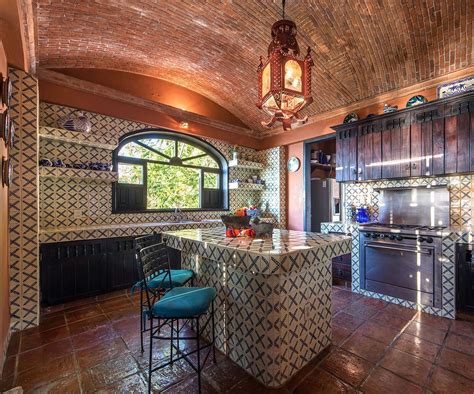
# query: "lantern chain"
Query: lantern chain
{"points": [[283, 8]]}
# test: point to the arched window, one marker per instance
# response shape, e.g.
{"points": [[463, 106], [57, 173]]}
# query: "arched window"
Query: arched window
{"points": [[161, 170]]}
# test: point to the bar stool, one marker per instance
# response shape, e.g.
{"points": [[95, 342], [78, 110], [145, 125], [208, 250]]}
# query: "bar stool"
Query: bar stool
{"points": [[178, 303], [153, 278]]}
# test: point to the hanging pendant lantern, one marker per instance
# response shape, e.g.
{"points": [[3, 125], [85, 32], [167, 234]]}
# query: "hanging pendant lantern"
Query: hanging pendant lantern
{"points": [[284, 81]]}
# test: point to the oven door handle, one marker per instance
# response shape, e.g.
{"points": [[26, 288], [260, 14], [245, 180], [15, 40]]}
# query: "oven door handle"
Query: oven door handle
{"points": [[422, 251]]}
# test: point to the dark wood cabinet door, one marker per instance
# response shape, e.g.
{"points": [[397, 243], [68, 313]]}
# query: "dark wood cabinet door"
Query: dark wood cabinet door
{"points": [[438, 146], [369, 151], [346, 154], [427, 140], [457, 129], [396, 147], [339, 156]]}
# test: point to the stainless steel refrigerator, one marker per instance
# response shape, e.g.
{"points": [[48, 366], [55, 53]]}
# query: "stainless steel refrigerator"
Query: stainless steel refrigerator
{"points": [[325, 203]]}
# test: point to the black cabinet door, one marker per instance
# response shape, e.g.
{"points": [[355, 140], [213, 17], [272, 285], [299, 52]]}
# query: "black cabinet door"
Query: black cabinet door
{"points": [[79, 269], [71, 270], [121, 264], [464, 278]]}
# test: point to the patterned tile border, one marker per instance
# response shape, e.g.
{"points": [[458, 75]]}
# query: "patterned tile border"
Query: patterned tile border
{"points": [[24, 264]]}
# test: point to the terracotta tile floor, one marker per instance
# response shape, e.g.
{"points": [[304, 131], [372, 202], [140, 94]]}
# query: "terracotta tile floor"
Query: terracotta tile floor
{"points": [[93, 345]]}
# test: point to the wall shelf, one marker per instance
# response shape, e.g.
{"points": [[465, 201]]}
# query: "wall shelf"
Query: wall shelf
{"points": [[245, 164], [73, 173], [72, 137], [327, 167], [245, 186]]}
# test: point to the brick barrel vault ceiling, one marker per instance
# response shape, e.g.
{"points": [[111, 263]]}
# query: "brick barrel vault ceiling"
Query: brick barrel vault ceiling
{"points": [[361, 48]]}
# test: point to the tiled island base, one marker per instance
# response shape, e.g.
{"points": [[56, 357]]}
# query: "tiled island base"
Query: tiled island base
{"points": [[273, 308]]}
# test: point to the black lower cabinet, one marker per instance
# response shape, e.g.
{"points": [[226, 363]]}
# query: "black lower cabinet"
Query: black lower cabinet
{"points": [[121, 265], [79, 269], [465, 278]]}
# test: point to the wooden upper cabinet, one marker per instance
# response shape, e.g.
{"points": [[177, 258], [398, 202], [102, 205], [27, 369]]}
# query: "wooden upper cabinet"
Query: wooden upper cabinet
{"points": [[427, 140], [369, 150], [346, 153], [458, 136], [431, 139], [396, 146]]}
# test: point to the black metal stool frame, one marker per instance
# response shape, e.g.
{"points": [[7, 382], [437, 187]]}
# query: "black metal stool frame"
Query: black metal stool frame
{"points": [[140, 243], [155, 334], [157, 256]]}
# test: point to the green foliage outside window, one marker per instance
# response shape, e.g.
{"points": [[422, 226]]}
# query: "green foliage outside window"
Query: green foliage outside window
{"points": [[171, 187], [168, 185], [130, 174]]}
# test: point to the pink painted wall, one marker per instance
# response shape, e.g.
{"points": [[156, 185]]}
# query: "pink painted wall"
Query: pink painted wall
{"points": [[295, 190]]}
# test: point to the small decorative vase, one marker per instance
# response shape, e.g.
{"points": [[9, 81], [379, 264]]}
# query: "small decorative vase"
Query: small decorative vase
{"points": [[416, 100], [76, 121], [362, 215], [352, 117], [389, 108]]}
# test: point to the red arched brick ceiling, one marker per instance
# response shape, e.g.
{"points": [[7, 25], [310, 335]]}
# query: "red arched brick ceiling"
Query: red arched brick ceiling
{"points": [[361, 48]]}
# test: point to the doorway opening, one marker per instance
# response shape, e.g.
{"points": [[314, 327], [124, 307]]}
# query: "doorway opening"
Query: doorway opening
{"points": [[322, 192]]}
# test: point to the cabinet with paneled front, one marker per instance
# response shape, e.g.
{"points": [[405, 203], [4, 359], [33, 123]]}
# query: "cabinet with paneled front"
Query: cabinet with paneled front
{"points": [[431, 139]]}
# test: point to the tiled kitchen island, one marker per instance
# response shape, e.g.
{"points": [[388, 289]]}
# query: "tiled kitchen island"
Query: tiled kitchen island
{"points": [[273, 309]]}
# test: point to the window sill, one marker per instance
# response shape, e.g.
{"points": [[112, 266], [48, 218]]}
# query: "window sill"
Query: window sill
{"points": [[171, 211]]}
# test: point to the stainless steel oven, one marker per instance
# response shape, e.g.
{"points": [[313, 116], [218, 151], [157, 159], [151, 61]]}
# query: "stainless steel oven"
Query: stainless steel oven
{"points": [[401, 255], [402, 267]]}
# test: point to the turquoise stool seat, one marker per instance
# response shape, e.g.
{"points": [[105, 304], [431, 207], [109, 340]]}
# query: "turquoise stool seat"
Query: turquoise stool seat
{"points": [[178, 278], [184, 302]]}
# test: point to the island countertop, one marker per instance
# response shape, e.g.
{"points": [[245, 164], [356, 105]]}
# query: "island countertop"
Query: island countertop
{"points": [[273, 304], [286, 249]]}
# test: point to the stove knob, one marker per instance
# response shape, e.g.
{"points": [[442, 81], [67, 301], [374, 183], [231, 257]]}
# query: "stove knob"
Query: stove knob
{"points": [[392, 237], [382, 235], [375, 235], [399, 238], [420, 239], [429, 240], [367, 235]]}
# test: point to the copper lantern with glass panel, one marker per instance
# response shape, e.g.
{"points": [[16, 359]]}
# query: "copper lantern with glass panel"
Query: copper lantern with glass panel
{"points": [[284, 80]]}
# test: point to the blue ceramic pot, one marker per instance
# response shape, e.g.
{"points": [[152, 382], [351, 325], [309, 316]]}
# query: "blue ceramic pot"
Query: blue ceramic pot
{"points": [[58, 163], [362, 215]]}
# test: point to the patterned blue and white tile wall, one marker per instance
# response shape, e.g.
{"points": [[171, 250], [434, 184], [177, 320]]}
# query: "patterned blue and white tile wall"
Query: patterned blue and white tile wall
{"points": [[461, 193], [60, 198]]}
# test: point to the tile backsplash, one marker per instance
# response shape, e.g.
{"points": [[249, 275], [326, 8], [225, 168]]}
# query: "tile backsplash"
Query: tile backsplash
{"points": [[461, 193], [66, 203]]}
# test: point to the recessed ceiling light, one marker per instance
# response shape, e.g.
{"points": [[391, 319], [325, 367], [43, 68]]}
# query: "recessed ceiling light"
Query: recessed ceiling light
{"points": [[183, 124]]}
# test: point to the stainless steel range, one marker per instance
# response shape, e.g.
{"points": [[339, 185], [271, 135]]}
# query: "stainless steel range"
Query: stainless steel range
{"points": [[400, 256]]}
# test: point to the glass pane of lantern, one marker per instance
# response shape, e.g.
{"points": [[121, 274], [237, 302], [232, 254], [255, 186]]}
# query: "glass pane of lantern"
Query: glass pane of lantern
{"points": [[270, 104], [266, 80], [291, 103], [293, 75]]}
